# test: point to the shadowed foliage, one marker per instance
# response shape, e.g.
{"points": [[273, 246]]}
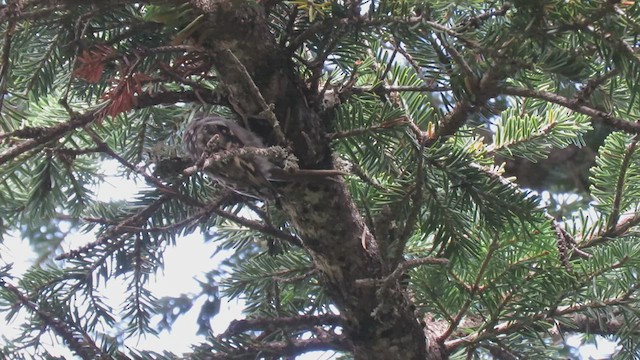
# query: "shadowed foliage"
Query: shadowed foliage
{"points": [[456, 180]]}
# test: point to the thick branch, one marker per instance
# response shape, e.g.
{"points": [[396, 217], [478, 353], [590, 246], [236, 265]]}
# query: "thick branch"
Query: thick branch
{"points": [[297, 322]]}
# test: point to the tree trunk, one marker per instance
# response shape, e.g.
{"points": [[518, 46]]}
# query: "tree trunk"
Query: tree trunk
{"points": [[380, 321]]}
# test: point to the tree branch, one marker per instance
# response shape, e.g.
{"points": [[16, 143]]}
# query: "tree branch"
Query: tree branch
{"points": [[286, 348], [619, 230], [604, 117], [115, 231], [50, 134], [589, 324], [78, 341], [5, 63], [263, 228], [218, 97], [296, 322], [512, 326]]}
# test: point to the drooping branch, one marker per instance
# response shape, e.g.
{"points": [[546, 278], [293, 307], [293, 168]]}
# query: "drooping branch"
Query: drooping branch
{"points": [[78, 341], [49, 134], [41, 136]]}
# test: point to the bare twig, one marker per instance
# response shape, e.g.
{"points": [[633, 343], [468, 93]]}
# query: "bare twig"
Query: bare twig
{"points": [[401, 121], [200, 214], [153, 180], [587, 89], [254, 92], [197, 87], [217, 97], [459, 59], [357, 170], [493, 247], [263, 228], [288, 32], [476, 21], [26, 132], [414, 213]]}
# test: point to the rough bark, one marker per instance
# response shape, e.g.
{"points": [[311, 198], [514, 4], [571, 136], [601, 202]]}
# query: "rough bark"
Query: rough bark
{"points": [[380, 322]]}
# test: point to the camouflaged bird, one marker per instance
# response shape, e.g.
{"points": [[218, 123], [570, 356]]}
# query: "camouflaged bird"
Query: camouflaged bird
{"points": [[245, 175]]}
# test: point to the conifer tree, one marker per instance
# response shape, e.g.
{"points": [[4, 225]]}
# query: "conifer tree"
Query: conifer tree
{"points": [[457, 179]]}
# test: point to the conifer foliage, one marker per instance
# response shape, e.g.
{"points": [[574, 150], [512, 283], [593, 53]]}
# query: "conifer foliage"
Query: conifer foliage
{"points": [[421, 244]]}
